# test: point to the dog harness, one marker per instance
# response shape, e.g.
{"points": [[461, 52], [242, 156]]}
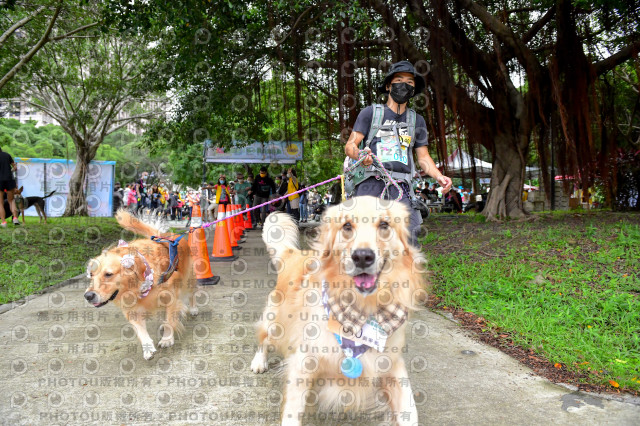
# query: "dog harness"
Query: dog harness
{"points": [[388, 318], [173, 256]]}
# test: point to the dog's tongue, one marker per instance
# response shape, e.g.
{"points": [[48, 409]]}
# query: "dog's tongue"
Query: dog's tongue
{"points": [[365, 281]]}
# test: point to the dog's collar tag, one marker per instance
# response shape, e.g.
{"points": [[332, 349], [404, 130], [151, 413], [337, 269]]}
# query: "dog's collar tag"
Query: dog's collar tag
{"points": [[370, 335]]}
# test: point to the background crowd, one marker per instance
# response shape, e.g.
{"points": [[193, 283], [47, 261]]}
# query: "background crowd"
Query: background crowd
{"points": [[166, 200]]}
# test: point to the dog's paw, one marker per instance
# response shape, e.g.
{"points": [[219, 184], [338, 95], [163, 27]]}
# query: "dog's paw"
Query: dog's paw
{"points": [[259, 364], [166, 342], [193, 311], [148, 353]]}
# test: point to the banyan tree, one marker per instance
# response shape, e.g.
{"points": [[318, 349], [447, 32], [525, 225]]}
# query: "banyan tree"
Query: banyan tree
{"points": [[522, 79]]}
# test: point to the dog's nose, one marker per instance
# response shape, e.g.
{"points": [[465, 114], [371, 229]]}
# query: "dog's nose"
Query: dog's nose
{"points": [[90, 295], [363, 258]]}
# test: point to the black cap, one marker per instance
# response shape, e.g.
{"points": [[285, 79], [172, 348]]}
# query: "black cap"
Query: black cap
{"points": [[403, 66]]}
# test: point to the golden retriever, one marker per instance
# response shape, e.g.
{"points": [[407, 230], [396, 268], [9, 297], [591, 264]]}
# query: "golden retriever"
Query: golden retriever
{"points": [[361, 257], [119, 275]]}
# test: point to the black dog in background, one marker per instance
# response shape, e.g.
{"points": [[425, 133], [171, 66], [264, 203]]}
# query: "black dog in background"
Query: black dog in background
{"points": [[23, 203]]}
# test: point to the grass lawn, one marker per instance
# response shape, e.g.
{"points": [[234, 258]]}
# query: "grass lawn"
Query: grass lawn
{"points": [[566, 286], [36, 256]]}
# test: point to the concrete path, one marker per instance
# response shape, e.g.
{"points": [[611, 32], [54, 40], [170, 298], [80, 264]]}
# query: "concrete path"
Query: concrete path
{"points": [[66, 362]]}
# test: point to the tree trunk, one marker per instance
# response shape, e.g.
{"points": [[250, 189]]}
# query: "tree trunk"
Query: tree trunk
{"points": [[346, 81], [77, 198], [505, 197]]}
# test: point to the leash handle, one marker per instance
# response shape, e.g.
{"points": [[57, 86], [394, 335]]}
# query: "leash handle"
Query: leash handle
{"points": [[386, 177]]}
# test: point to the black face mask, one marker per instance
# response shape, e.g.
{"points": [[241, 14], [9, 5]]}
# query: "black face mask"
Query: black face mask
{"points": [[401, 92]]}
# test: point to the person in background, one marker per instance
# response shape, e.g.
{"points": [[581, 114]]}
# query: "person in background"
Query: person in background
{"points": [[294, 199], [180, 205], [118, 198], [8, 186], [125, 196], [304, 201], [455, 199], [154, 197], [132, 198], [278, 205], [221, 195], [249, 194], [429, 193], [163, 199], [173, 205], [193, 199], [261, 190], [282, 190], [242, 190], [207, 204]]}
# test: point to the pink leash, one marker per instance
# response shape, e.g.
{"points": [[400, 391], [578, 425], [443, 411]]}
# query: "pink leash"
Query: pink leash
{"points": [[208, 224]]}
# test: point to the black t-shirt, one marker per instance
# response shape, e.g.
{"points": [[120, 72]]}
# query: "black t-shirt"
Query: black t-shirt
{"points": [[5, 166], [263, 186], [392, 157]]}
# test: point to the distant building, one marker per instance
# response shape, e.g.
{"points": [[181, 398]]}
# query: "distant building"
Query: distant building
{"points": [[22, 111]]}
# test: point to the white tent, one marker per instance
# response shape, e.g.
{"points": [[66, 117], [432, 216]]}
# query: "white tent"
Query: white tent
{"points": [[460, 163]]}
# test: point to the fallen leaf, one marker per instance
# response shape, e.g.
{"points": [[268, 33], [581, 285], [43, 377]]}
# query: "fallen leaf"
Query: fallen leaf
{"points": [[584, 363], [557, 365], [614, 383], [621, 361]]}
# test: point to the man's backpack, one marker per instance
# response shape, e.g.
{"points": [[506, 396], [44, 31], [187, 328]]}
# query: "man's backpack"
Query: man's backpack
{"points": [[361, 172]]}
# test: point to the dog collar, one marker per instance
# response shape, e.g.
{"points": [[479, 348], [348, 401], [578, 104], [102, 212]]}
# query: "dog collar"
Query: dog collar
{"points": [[389, 317], [128, 261], [351, 365]]}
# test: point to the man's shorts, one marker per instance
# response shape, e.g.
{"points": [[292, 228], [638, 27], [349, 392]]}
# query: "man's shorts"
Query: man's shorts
{"points": [[7, 185]]}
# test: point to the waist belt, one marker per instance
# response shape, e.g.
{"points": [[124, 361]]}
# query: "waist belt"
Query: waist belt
{"points": [[361, 174]]}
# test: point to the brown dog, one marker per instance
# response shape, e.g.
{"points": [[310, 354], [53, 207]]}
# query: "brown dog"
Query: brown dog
{"points": [[128, 276], [362, 275]]}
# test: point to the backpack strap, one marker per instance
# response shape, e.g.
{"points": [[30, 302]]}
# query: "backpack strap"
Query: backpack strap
{"points": [[376, 122], [411, 128]]}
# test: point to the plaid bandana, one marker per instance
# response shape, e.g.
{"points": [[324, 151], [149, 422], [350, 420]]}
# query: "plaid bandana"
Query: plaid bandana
{"points": [[390, 316]]}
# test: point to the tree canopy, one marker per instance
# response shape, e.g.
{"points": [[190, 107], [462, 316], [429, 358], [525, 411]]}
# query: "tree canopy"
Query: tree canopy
{"points": [[501, 75]]}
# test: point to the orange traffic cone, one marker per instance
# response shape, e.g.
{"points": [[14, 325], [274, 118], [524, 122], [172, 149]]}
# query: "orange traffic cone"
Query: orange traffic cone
{"points": [[247, 222], [241, 218], [231, 229], [221, 243], [238, 222], [199, 251]]}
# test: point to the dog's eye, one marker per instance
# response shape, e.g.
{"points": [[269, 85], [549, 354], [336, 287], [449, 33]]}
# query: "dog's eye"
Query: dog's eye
{"points": [[108, 274], [383, 225], [347, 226]]}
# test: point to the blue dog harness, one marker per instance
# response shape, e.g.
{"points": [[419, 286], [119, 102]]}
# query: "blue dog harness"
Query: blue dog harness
{"points": [[173, 256]]}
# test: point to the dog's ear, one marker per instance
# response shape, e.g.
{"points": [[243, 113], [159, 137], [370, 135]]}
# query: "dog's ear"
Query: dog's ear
{"points": [[326, 233], [20, 189], [401, 221], [412, 268]]}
